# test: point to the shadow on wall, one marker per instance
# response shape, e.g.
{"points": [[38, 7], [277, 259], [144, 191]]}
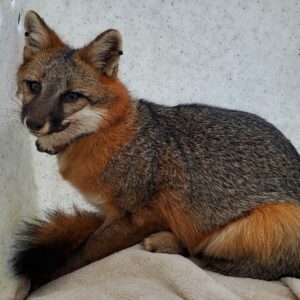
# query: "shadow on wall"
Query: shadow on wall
{"points": [[18, 197]]}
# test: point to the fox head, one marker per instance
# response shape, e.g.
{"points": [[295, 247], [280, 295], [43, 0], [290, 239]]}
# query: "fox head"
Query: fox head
{"points": [[66, 92]]}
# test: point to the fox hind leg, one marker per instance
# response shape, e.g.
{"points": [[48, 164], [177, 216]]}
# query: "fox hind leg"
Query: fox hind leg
{"points": [[265, 244]]}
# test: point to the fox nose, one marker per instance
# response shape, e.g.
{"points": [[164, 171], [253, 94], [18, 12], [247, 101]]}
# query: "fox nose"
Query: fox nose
{"points": [[35, 124]]}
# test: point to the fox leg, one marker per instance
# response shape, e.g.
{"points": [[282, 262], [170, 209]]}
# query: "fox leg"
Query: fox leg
{"points": [[164, 242], [264, 245], [114, 236]]}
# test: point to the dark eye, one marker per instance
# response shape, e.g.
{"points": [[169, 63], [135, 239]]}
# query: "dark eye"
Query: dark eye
{"points": [[34, 87], [71, 97]]}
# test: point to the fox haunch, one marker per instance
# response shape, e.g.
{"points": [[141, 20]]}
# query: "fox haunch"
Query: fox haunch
{"points": [[219, 183]]}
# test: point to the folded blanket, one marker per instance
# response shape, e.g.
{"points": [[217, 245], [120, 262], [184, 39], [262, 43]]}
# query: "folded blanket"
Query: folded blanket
{"points": [[136, 274]]}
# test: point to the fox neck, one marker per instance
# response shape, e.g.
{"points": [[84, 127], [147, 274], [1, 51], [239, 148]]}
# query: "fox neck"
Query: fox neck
{"points": [[83, 160]]}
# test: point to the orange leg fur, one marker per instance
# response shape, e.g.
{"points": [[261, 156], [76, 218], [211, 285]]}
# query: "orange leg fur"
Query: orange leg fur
{"points": [[267, 231], [180, 220]]}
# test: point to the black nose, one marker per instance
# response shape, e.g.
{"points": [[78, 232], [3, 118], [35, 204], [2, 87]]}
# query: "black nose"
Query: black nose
{"points": [[35, 124]]}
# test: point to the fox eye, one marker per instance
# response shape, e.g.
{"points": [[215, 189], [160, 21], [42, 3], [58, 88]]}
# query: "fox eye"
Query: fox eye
{"points": [[34, 87], [71, 97]]}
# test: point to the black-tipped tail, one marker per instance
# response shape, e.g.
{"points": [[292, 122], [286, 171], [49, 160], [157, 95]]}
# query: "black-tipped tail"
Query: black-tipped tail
{"points": [[43, 246]]}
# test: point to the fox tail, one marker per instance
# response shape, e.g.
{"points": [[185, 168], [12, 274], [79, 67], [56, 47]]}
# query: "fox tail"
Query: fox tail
{"points": [[43, 245]]}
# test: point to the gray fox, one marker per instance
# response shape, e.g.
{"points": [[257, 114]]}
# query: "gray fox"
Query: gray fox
{"points": [[197, 180]]}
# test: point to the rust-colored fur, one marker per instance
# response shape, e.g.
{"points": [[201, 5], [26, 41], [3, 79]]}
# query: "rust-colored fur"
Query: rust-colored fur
{"points": [[261, 234], [180, 219], [47, 243], [68, 230], [81, 163]]}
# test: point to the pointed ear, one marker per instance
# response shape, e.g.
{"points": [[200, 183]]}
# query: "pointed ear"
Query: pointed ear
{"points": [[38, 36], [104, 52]]}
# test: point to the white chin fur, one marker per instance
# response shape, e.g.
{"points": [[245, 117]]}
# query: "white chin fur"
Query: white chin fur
{"points": [[85, 121]]}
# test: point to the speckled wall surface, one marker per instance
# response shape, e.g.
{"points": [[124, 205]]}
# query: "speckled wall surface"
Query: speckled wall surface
{"points": [[236, 54], [18, 196]]}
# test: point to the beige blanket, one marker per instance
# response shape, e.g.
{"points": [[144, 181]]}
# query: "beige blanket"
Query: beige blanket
{"points": [[136, 274]]}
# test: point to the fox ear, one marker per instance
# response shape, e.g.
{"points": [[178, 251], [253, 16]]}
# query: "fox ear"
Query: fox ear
{"points": [[38, 36], [104, 52]]}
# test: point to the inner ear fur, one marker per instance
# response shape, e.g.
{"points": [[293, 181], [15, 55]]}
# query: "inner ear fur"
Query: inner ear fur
{"points": [[104, 52], [38, 35]]}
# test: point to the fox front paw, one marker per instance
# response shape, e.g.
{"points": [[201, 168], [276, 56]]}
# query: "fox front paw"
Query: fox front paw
{"points": [[40, 148]]}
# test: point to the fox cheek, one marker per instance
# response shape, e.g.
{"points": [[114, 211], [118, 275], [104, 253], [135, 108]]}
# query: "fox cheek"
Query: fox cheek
{"points": [[20, 95]]}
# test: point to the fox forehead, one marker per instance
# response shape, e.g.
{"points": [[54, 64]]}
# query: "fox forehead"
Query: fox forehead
{"points": [[62, 65], [61, 70], [51, 66]]}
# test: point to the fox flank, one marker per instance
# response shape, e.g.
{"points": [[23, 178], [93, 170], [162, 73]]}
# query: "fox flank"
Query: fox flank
{"points": [[211, 182]]}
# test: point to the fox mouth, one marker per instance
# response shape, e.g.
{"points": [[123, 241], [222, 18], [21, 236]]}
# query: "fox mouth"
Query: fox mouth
{"points": [[38, 134], [51, 131]]}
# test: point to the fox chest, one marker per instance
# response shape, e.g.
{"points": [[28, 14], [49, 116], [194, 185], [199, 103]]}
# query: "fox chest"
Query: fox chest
{"points": [[109, 185], [85, 177]]}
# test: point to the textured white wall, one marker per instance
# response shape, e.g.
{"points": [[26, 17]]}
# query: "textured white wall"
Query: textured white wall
{"points": [[18, 196], [236, 54]]}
